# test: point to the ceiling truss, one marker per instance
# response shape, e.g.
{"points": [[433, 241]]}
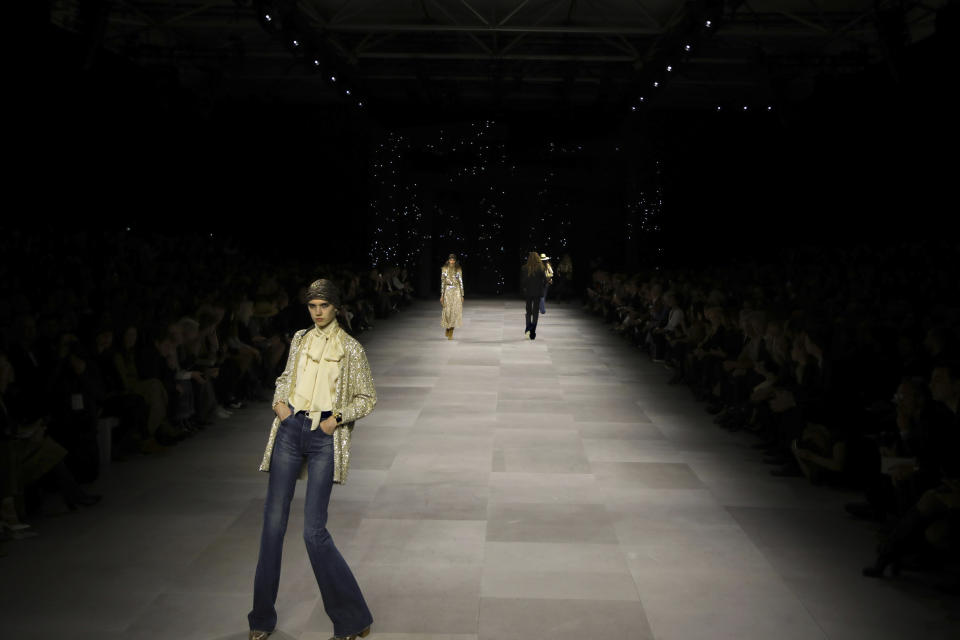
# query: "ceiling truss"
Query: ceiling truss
{"points": [[519, 53]]}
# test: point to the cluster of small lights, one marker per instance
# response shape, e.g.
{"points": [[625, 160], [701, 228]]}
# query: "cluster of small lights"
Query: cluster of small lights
{"points": [[745, 108], [393, 212], [552, 229], [669, 66], [486, 156], [563, 149], [645, 211], [397, 204], [276, 24]]}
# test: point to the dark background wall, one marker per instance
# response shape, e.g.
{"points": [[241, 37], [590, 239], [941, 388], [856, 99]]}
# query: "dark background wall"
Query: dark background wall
{"points": [[867, 158]]}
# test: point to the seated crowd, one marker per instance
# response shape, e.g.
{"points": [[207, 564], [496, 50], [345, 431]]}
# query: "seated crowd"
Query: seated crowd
{"points": [[843, 364], [119, 344]]}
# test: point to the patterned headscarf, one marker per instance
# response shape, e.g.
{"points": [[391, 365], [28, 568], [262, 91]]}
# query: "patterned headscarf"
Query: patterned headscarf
{"points": [[324, 289]]}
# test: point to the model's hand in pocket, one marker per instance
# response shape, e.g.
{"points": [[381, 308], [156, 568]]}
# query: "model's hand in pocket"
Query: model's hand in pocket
{"points": [[283, 411]]}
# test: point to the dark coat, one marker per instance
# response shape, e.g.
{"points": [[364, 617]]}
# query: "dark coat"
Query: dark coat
{"points": [[532, 285]]}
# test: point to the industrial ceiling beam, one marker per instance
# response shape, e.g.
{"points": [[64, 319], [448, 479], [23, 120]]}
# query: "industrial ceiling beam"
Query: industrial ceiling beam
{"points": [[541, 57], [478, 28]]}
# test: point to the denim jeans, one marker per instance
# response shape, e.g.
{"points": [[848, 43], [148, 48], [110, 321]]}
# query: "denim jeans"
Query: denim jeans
{"points": [[342, 599], [533, 313]]}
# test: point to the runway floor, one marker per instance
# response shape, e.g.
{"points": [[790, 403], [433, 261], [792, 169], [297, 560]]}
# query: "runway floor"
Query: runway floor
{"points": [[502, 489]]}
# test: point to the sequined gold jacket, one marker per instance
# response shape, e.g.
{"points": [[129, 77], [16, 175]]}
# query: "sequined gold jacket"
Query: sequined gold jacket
{"points": [[451, 281], [354, 397]]}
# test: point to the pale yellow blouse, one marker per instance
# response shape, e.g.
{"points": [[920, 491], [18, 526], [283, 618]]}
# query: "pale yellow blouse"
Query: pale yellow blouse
{"points": [[317, 372], [354, 397]]}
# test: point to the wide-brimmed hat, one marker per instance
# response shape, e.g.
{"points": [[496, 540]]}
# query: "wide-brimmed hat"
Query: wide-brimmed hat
{"points": [[544, 256]]}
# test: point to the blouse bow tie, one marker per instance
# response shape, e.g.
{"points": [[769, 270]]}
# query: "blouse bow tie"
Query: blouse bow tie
{"points": [[322, 346]]}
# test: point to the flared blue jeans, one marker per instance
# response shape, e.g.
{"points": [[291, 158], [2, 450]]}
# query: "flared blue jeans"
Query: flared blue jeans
{"points": [[342, 599]]}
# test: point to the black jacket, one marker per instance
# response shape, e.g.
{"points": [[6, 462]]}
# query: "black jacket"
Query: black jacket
{"points": [[532, 285]]}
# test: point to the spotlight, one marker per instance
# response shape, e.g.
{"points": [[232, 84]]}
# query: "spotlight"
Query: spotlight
{"points": [[669, 68], [656, 84], [708, 24], [333, 78], [642, 98], [769, 107], [316, 62], [719, 108], [686, 47], [347, 91], [295, 42], [360, 103], [633, 107], [268, 16], [745, 107]]}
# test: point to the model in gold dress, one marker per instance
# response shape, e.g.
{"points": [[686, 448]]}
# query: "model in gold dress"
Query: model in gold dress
{"points": [[451, 295]]}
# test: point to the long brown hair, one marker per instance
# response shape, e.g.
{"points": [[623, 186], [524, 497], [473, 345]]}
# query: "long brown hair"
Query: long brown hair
{"points": [[533, 264], [456, 264]]}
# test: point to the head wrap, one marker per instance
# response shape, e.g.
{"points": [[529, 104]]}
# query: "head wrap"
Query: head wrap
{"points": [[324, 289]]}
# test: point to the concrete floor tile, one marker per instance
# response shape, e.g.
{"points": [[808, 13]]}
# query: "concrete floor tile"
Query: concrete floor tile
{"points": [[548, 585], [706, 603], [421, 542], [554, 557], [549, 523], [556, 460], [653, 475], [542, 619], [544, 488], [421, 600], [430, 501]]}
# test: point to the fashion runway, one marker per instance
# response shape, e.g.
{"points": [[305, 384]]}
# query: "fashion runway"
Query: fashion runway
{"points": [[502, 489]]}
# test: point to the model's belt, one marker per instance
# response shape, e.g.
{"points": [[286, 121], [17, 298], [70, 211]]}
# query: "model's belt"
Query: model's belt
{"points": [[323, 414]]}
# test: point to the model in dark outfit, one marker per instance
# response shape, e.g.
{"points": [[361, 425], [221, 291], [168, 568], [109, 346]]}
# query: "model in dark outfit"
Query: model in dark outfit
{"points": [[533, 279]]}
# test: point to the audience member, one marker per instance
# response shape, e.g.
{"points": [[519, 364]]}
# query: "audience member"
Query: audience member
{"points": [[138, 348], [803, 353]]}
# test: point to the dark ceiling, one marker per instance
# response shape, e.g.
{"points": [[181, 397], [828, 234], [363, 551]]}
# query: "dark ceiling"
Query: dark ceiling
{"points": [[511, 55]]}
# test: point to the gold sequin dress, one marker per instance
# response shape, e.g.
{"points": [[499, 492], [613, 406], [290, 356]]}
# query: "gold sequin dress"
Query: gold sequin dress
{"points": [[451, 288]]}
